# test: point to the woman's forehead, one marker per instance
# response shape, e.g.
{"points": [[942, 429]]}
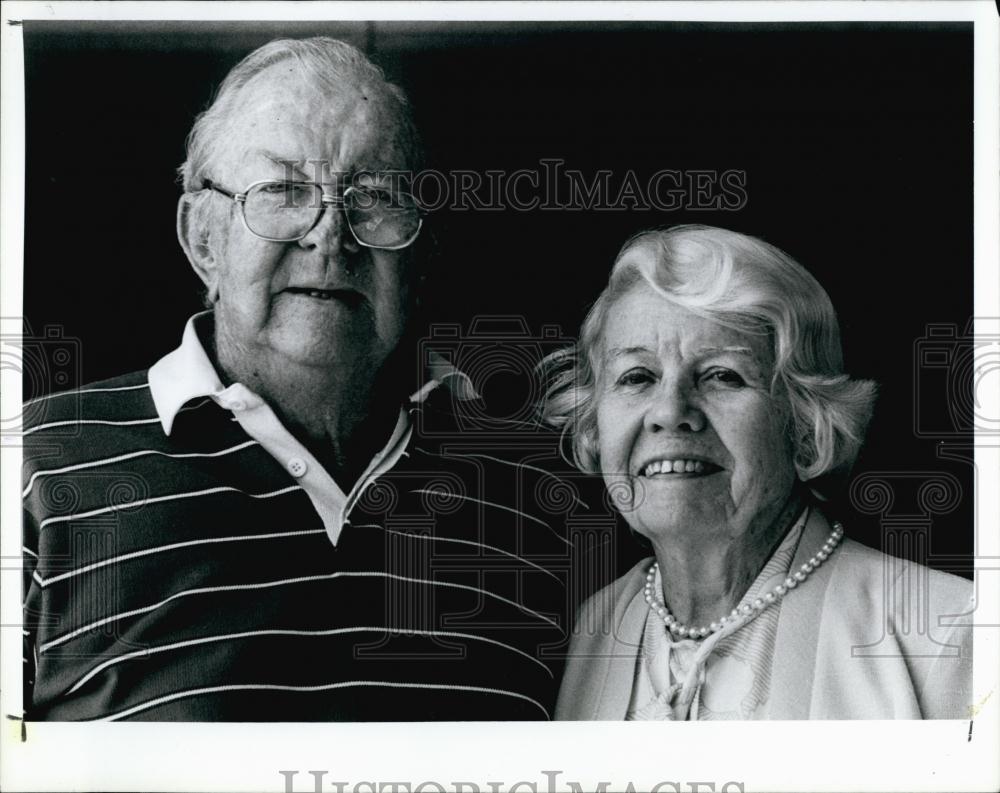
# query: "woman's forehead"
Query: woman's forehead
{"points": [[643, 318]]}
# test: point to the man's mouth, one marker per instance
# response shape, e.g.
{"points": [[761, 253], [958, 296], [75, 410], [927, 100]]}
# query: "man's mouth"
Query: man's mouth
{"points": [[677, 466], [347, 296]]}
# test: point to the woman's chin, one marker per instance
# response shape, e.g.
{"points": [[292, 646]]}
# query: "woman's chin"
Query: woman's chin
{"points": [[674, 521]]}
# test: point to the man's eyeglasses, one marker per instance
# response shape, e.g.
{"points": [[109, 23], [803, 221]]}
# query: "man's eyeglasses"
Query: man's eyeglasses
{"points": [[281, 211]]}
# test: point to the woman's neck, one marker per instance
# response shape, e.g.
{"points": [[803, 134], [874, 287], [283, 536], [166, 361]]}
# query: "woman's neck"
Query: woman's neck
{"points": [[704, 581]]}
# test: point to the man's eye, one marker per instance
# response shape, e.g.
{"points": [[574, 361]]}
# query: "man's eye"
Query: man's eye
{"points": [[724, 377], [382, 199], [371, 197]]}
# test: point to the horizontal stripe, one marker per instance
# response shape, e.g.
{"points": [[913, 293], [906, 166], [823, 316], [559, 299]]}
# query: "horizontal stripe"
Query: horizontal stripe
{"points": [[194, 692], [172, 547], [130, 456], [36, 400], [76, 422], [160, 499], [282, 582], [495, 506], [290, 632], [462, 542], [29, 551]]}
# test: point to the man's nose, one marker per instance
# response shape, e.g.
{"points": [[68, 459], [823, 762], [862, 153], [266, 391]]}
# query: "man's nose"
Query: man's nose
{"points": [[331, 234], [672, 408]]}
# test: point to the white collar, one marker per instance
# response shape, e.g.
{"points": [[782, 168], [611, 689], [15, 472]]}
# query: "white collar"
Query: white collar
{"points": [[187, 373]]}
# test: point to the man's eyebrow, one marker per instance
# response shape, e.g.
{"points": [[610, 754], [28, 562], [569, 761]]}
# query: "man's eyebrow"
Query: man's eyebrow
{"points": [[285, 163]]}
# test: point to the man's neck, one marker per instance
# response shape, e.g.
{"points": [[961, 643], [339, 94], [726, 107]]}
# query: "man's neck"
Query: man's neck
{"points": [[344, 414]]}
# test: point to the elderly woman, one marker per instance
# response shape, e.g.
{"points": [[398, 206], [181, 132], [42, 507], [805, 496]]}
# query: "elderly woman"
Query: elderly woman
{"points": [[707, 389]]}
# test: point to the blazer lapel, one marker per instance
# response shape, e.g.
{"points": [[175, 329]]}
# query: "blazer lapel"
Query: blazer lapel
{"points": [[612, 704], [794, 663]]}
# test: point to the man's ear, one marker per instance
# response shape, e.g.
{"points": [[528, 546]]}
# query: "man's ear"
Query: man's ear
{"points": [[193, 233]]}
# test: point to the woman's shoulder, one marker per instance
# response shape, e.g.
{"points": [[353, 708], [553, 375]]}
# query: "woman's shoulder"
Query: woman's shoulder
{"points": [[873, 568], [861, 568], [616, 596]]}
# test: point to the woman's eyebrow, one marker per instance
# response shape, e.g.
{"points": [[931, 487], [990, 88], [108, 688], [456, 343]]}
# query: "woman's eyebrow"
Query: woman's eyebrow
{"points": [[738, 350], [621, 352]]}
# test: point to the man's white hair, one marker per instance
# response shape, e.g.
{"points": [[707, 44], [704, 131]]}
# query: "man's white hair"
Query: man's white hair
{"points": [[327, 64]]}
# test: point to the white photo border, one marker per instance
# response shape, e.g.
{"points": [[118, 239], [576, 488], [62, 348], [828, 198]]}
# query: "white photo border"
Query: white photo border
{"points": [[777, 756]]}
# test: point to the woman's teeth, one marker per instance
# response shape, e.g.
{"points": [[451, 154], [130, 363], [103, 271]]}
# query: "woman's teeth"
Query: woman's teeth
{"points": [[674, 467]]}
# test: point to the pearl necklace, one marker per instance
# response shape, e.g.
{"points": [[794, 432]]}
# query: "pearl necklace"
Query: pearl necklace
{"points": [[759, 604]]}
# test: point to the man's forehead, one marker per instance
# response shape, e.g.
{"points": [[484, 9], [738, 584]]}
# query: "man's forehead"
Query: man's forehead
{"points": [[282, 117], [288, 84]]}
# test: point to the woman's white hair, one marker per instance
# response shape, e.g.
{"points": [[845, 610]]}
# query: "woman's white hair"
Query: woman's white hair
{"points": [[326, 63], [744, 283]]}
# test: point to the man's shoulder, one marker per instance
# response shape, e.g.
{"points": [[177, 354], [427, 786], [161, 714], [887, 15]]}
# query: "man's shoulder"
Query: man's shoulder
{"points": [[124, 393], [91, 419]]}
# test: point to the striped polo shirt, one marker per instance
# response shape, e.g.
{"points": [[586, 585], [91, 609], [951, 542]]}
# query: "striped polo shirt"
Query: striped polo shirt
{"points": [[187, 559]]}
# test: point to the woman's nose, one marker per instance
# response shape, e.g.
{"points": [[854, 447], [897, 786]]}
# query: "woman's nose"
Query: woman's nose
{"points": [[671, 409]]}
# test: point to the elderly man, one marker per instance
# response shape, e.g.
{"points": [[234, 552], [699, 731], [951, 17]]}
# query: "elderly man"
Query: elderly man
{"points": [[262, 526]]}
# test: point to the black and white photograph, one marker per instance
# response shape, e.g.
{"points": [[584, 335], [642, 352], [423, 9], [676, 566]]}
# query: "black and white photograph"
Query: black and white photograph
{"points": [[424, 393]]}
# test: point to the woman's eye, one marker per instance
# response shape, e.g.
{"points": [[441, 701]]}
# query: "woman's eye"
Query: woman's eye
{"points": [[634, 377], [724, 377]]}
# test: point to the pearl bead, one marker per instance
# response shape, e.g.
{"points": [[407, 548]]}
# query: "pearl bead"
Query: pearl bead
{"points": [[656, 604]]}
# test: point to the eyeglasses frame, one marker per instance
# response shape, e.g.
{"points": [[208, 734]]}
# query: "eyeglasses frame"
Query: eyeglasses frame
{"points": [[328, 199]]}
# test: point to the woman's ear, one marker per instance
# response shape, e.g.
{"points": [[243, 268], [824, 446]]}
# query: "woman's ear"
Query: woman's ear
{"points": [[194, 235]]}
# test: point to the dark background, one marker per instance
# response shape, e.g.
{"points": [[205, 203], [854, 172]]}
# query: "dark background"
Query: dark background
{"points": [[856, 140]]}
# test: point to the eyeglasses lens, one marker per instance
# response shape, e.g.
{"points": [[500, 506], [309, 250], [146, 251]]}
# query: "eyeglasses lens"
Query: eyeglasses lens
{"points": [[382, 218], [282, 211], [286, 211]]}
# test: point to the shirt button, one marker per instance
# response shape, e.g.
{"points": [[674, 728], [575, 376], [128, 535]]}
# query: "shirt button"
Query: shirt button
{"points": [[297, 467], [237, 404]]}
